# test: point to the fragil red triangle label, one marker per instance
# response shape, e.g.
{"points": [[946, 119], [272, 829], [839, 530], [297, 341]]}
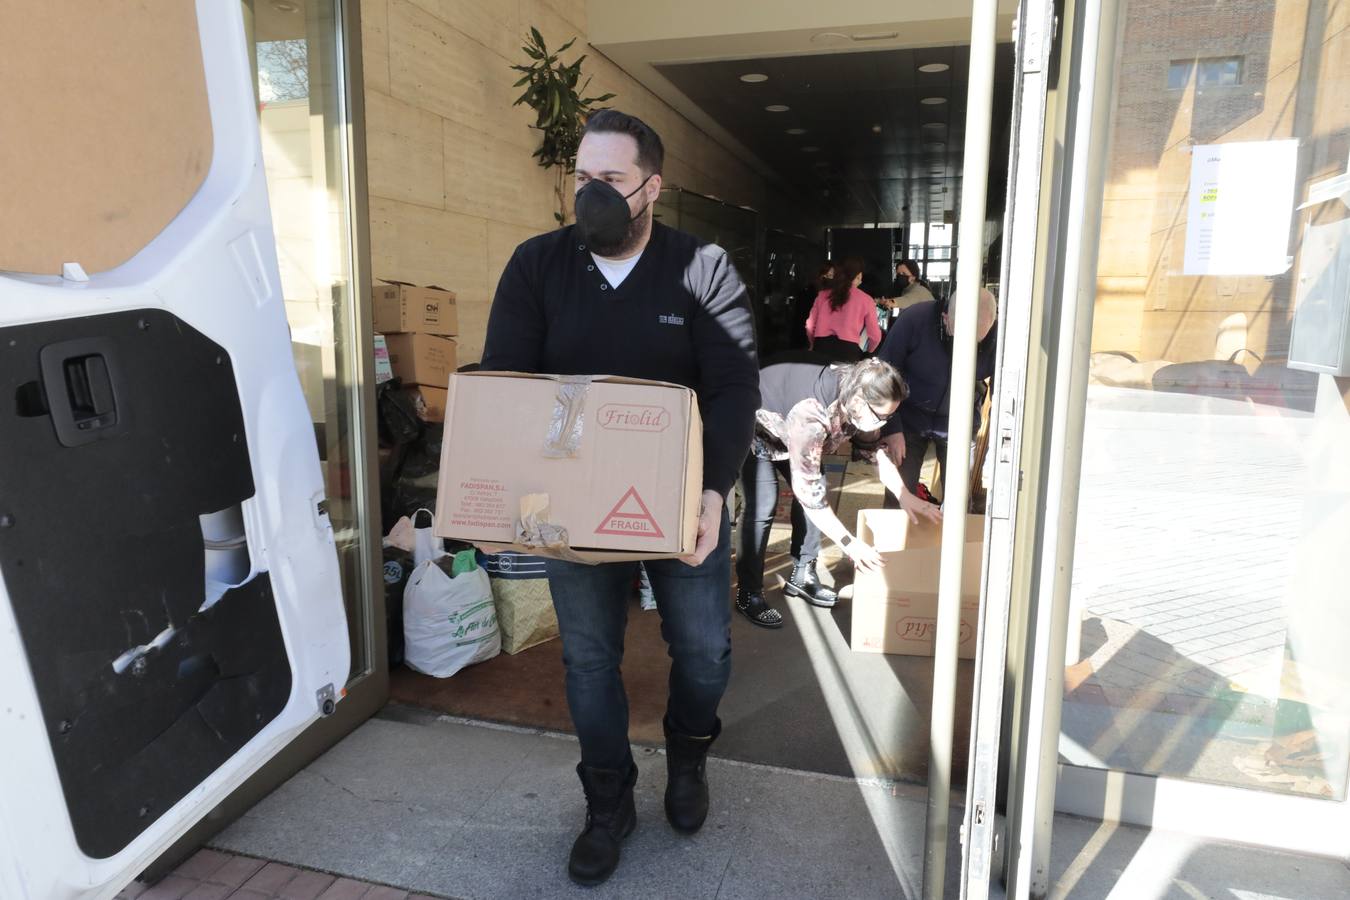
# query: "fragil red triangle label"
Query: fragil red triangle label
{"points": [[630, 518]]}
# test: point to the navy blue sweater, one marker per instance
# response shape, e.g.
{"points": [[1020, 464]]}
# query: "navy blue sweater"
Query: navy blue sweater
{"points": [[682, 315], [916, 346]]}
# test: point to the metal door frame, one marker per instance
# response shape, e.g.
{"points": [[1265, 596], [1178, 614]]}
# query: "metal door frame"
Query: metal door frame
{"points": [[1046, 319], [1035, 33]]}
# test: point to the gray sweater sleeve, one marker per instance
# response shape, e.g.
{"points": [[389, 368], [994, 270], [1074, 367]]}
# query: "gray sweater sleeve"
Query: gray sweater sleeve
{"points": [[724, 344]]}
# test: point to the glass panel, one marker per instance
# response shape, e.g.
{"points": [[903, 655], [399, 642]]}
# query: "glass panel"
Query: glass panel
{"points": [[1220, 72], [792, 265], [1178, 74], [939, 272], [731, 227], [1211, 568], [302, 117]]}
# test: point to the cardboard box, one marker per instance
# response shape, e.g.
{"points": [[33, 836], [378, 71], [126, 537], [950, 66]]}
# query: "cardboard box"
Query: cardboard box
{"points": [[383, 370], [421, 358], [895, 610], [616, 463], [399, 308], [429, 401]]}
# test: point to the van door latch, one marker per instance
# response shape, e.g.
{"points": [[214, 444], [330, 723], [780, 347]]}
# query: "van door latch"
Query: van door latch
{"points": [[81, 382]]}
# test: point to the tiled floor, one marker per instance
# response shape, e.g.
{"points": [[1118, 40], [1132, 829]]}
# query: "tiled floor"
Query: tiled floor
{"points": [[213, 875], [1189, 522], [1188, 531]]}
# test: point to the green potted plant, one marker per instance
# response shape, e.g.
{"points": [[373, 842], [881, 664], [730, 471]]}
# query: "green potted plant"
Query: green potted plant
{"points": [[560, 109]]}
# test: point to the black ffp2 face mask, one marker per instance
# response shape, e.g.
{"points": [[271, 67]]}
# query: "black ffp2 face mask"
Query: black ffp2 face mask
{"points": [[602, 215]]}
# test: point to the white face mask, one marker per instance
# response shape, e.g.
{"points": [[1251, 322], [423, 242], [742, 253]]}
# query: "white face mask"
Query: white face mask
{"points": [[864, 417]]}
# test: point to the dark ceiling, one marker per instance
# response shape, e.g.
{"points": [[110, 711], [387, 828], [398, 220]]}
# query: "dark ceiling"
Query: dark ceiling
{"points": [[878, 146]]}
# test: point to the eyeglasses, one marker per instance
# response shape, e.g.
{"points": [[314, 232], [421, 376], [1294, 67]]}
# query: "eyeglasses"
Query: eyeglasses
{"points": [[876, 421]]}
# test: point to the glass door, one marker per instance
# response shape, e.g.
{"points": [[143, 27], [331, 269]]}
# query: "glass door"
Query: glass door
{"points": [[306, 60], [1181, 663], [1209, 578], [302, 81]]}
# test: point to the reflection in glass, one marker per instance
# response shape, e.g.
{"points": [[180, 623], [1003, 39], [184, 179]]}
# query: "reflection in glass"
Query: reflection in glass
{"points": [[302, 121], [1210, 566]]}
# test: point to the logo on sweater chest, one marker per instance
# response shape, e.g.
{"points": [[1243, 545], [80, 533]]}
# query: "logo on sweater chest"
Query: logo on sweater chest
{"points": [[670, 320]]}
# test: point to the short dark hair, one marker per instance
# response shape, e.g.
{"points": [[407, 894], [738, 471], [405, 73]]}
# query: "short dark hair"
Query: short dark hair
{"points": [[651, 153], [914, 269]]}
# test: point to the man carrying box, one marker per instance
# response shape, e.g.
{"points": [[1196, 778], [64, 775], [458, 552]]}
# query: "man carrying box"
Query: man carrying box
{"points": [[617, 294]]}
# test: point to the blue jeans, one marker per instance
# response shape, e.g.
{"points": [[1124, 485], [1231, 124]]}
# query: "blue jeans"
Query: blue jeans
{"points": [[592, 604]]}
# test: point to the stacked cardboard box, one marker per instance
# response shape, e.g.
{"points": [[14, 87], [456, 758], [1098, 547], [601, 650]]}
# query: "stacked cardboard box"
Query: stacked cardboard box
{"points": [[417, 324]]}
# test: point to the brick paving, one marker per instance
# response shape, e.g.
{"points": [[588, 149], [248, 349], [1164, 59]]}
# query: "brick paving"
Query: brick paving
{"points": [[1187, 532], [1188, 527], [213, 875], [1189, 520]]}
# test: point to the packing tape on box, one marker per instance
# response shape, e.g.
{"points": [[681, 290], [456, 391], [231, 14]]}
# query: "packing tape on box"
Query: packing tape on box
{"points": [[535, 531], [569, 415]]}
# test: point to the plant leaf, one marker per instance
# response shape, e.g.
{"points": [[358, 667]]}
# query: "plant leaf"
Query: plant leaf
{"points": [[560, 110]]}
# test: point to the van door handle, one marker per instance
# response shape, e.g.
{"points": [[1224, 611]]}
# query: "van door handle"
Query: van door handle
{"points": [[80, 382]]}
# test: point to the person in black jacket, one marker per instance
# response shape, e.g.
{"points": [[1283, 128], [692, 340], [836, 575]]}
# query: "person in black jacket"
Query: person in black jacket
{"points": [[619, 294], [919, 346]]}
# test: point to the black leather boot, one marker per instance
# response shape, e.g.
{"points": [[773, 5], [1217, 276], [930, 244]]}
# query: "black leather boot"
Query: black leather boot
{"points": [[686, 778], [804, 583], [610, 817]]}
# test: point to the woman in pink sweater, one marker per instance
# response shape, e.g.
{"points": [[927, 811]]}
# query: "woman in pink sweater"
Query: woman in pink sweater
{"points": [[840, 315]]}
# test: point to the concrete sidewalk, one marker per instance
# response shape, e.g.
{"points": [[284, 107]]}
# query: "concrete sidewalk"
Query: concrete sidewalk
{"points": [[463, 810]]}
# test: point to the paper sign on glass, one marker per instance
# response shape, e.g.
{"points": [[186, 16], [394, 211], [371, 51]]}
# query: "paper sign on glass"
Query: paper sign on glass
{"points": [[1238, 214]]}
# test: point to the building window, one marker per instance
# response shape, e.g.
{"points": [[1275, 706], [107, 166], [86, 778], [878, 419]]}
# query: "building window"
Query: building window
{"points": [[1220, 72], [1178, 73]]}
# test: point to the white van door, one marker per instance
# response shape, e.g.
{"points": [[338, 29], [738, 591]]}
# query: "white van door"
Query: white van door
{"points": [[171, 614]]}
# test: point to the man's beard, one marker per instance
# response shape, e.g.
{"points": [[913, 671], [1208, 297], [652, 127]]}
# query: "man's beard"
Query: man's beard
{"points": [[631, 239]]}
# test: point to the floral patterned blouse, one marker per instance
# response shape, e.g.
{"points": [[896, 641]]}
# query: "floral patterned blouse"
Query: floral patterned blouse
{"points": [[810, 431]]}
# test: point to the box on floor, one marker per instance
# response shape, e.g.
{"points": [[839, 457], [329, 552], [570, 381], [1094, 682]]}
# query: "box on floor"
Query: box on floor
{"points": [[421, 358], [429, 402], [895, 610]]}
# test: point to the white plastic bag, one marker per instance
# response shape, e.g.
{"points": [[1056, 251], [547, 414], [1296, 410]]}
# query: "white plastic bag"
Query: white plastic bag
{"points": [[448, 623]]}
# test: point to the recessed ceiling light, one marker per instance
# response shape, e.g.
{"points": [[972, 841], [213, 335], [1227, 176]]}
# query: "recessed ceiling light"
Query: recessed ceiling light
{"points": [[284, 6], [810, 149], [754, 77], [934, 67], [830, 37], [776, 107], [876, 129], [796, 131], [933, 101]]}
